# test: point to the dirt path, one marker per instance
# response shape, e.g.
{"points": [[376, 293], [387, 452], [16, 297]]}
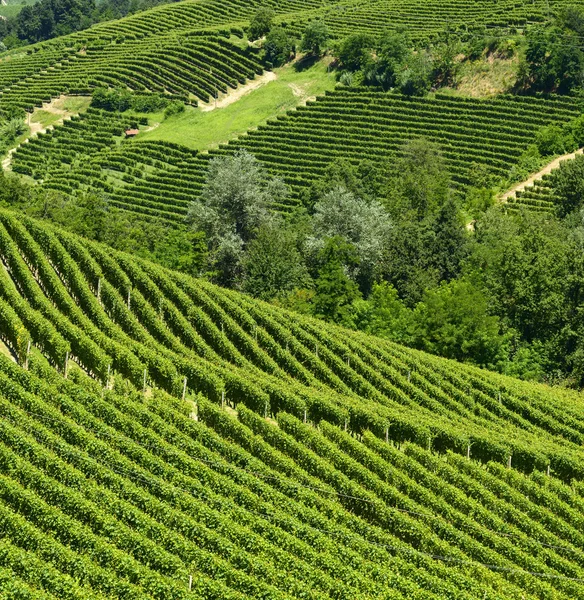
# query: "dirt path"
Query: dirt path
{"points": [[35, 127], [234, 95], [537, 176], [300, 92]]}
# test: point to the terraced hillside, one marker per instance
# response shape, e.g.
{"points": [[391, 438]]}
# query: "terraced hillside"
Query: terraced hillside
{"points": [[160, 179], [163, 438], [158, 48]]}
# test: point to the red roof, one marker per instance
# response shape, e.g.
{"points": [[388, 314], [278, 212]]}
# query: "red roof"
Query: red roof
{"points": [[130, 132]]}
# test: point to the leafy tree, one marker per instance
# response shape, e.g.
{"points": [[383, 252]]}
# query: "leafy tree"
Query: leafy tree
{"points": [[233, 205], [408, 265], [420, 181], [278, 46], [273, 264], [48, 18], [453, 320], [568, 184], [365, 225], [383, 314], [395, 48], [450, 241], [445, 66], [553, 139], [354, 52], [363, 180], [335, 290], [531, 270], [315, 38], [261, 23], [415, 78], [554, 58]]}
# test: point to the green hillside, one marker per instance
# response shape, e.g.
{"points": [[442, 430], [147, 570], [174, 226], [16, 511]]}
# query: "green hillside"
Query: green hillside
{"points": [[151, 49], [166, 437], [157, 428], [157, 179]]}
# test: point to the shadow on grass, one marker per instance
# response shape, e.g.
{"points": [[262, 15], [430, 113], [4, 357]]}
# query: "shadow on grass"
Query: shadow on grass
{"points": [[306, 62]]}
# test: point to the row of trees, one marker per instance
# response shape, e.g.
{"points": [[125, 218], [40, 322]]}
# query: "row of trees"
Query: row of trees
{"points": [[278, 44], [385, 249]]}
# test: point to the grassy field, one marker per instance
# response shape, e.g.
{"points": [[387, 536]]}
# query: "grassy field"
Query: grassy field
{"points": [[58, 109], [13, 7], [202, 130], [485, 78]]}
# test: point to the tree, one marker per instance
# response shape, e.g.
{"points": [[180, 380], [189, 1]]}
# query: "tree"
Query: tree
{"points": [[354, 52], [568, 184], [531, 270], [315, 37], [335, 290], [453, 320], [363, 180], [393, 51], [415, 78], [450, 241], [553, 139], [365, 225], [420, 181], [554, 59], [409, 263], [273, 264], [278, 46], [232, 206], [383, 314], [261, 23]]}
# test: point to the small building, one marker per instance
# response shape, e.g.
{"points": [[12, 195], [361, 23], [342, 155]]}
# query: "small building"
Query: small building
{"points": [[132, 132]]}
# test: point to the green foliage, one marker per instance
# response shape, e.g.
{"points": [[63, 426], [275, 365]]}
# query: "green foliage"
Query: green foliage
{"points": [[315, 38], [554, 59], [175, 107], [233, 206], [273, 264], [414, 79], [553, 139], [453, 320], [50, 18], [261, 23], [123, 99], [420, 181], [383, 314], [366, 226], [335, 290], [568, 185], [278, 47], [531, 271], [354, 52], [395, 49]]}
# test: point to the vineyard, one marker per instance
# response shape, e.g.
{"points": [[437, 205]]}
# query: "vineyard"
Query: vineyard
{"points": [[160, 179], [164, 438], [183, 48]]}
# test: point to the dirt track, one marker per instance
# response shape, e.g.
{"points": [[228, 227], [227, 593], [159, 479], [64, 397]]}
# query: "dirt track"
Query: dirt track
{"points": [[234, 95], [537, 176]]}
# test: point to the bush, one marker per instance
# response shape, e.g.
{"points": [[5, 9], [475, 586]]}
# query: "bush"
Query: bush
{"points": [[315, 38], [174, 108], [278, 47], [552, 139]]}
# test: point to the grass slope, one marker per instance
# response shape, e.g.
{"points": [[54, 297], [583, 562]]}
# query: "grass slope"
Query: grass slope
{"points": [[169, 435], [203, 130]]}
